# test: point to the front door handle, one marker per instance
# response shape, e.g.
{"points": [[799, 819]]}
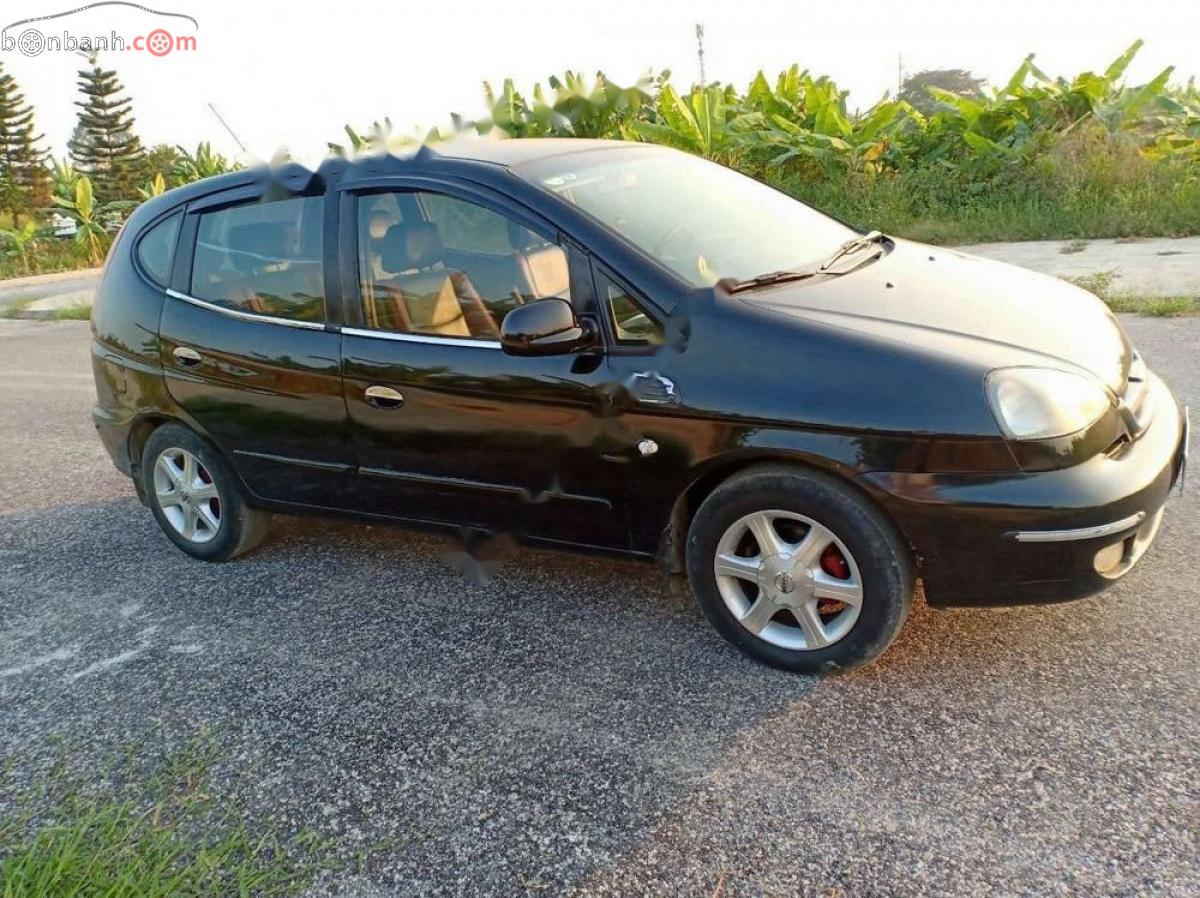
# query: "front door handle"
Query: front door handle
{"points": [[383, 397], [187, 356]]}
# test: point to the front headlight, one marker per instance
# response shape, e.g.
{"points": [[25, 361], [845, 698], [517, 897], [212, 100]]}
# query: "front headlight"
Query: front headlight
{"points": [[1042, 403]]}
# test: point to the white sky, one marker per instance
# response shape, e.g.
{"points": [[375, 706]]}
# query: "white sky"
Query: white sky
{"points": [[292, 74]]}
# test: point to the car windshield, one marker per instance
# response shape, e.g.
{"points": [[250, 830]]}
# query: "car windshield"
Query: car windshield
{"points": [[703, 221]]}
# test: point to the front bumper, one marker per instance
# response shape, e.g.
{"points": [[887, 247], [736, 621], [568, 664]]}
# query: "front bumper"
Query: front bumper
{"points": [[1046, 536]]}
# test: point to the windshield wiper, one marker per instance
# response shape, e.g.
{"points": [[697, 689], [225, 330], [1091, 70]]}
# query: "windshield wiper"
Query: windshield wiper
{"points": [[764, 280], [850, 247]]}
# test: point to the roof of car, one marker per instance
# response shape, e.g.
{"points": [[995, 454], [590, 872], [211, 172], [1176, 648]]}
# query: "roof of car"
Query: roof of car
{"points": [[488, 151], [515, 151]]}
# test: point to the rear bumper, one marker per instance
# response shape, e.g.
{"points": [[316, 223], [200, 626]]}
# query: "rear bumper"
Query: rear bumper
{"points": [[114, 434], [1044, 536]]}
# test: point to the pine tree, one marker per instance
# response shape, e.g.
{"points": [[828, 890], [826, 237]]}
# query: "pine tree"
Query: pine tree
{"points": [[104, 146], [24, 178]]}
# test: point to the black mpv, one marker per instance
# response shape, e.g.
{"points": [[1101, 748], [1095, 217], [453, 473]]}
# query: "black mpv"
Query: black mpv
{"points": [[620, 347]]}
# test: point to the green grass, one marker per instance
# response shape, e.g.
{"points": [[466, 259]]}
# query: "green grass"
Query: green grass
{"points": [[1101, 285], [77, 312], [1083, 187], [166, 832], [51, 254], [1155, 306], [14, 309]]}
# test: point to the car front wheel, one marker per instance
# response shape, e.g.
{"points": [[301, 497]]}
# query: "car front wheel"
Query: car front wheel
{"points": [[798, 570], [196, 499]]}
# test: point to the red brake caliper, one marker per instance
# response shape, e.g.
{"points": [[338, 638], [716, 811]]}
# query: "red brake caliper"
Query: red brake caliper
{"points": [[834, 564]]}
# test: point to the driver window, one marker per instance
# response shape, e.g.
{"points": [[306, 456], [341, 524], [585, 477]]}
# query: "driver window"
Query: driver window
{"points": [[437, 265]]}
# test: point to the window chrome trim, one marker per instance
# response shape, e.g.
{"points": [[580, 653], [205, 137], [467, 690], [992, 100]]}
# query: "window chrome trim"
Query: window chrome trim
{"points": [[246, 316], [420, 338], [1062, 536]]}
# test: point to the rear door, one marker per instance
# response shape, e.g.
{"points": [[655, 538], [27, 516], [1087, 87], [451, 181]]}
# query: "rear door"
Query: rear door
{"points": [[448, 427], [247, 346]]}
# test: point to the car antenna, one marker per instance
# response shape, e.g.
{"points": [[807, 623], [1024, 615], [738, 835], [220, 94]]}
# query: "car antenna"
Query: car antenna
{"points": [[225, 125]]}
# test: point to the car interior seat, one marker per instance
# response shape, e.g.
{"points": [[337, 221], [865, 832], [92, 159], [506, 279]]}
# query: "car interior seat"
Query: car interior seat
{"points": [[423, 295], [541, 266], [268, 278]]}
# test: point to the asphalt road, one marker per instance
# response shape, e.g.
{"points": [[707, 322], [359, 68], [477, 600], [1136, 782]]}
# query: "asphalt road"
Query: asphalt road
{"points": [[569, 728]]}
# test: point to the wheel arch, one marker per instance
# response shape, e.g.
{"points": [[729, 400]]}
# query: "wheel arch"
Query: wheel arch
{"points": [[673, 539], [145, 425]]}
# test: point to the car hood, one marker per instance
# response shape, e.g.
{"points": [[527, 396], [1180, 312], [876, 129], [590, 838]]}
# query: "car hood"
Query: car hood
{"points": [[939, 298]]}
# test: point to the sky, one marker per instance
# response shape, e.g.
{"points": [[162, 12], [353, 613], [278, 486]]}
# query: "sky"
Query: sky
{"points": [[292, 74]]}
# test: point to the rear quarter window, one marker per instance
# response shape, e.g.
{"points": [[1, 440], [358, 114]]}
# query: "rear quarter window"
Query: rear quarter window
{"points": [[263, 258], [156, 249]]}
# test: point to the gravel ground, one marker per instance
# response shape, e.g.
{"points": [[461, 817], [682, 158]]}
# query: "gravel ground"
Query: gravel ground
{"points": [[569, 728]]}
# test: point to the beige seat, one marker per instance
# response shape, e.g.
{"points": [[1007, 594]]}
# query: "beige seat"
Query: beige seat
{"points": [[267, 279], [541, 266], [423, 296]]}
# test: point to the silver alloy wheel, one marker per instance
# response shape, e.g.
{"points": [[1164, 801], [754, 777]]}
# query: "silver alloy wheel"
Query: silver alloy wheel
{"points": [[770, 562], [187, 495]]}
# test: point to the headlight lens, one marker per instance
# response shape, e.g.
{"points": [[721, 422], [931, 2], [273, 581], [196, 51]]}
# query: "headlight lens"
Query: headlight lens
{"points": [[1042, 403]]}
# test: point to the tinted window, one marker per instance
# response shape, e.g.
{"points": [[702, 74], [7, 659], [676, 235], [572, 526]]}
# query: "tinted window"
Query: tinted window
{"points": [[630, 323], [451, 268], [467, 226], [156, 249], [263, 258]]}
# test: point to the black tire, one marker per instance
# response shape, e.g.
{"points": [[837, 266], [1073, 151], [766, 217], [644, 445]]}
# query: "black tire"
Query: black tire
{"points": [[239, 527], [883, 561]]}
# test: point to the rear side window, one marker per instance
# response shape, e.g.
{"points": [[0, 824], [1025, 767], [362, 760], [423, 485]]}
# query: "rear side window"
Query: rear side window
{"points": [[263, 258], [156, 249]]}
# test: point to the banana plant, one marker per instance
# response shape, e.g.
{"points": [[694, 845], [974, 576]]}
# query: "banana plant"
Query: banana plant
{"points": [[63, 178], [603, 108], [90, 217], [1175, 127], [204, 163], [706, 122], [806, 118], [156, 187], [376, 139], [23, 240], [514, 116]]}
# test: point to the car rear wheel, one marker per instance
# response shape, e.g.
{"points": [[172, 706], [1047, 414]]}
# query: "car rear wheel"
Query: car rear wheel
{"points": [[798, 570], [196, 499]]}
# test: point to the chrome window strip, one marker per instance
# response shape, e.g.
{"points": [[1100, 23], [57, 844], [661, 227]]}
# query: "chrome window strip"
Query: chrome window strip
{"points": [[246, 316], [420, 338], [1062, 536]]}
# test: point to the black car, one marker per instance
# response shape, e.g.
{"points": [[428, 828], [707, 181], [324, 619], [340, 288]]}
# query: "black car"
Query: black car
{"points": [[620, 347]]}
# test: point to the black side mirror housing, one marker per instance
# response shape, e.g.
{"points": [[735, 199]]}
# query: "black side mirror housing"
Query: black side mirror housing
{"points": [[544, 327]]}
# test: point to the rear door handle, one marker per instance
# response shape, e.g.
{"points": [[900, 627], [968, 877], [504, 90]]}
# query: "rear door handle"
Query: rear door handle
{"points": [[187, 356], [383, 397]]}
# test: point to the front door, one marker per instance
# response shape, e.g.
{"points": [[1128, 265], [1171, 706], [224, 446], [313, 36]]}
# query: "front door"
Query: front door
{"points": [[447, 427], [246, 351]]}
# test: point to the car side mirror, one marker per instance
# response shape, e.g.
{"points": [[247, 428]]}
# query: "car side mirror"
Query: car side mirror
{"points": [[544, 327]]}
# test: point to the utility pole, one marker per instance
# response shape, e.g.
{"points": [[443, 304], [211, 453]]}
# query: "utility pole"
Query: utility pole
{"points": [[700, 51], [899, 73]]}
